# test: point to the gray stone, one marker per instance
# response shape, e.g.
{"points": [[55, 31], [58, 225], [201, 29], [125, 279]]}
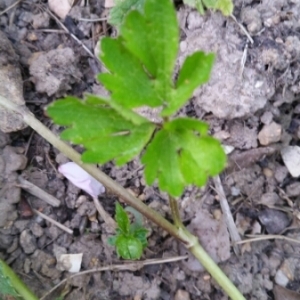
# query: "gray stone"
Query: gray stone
{"points": [[36, 229], [269, 134], [291, 159], [293, 189], [27, 242], [274, 221], [6, 210], [5, 241]]}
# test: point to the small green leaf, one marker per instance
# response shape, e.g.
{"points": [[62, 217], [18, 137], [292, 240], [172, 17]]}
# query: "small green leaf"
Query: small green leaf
{"points": [[195, 71], [112, 240], [130, 239], [161, 162], [163, 36], [122, 219], [138, 44], [195, 3], [225, 6], [141, 62], [122, 8], [128, 82], [129, 247], [104, 133], [141, 234], [191, 156]]}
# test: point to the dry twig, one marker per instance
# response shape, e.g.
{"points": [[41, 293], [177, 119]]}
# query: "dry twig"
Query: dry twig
{"points": [[234, 235], [256, 238], [121, 267], [10, 7], [243, 29], [104, 215], [38, 192], [62, 227]]}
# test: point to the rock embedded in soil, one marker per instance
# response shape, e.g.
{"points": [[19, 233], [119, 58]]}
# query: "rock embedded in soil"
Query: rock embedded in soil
{"points": [[6, 241], [27, 241], [281, 173], [275, 221], [182, 295], [287, 271], [13, 160], [7, 213], [11, 86], [269, 199], [291, 159], [242, 137], [266, 118], [232, 91], [54, 72], [269, 134], [293, 189]]}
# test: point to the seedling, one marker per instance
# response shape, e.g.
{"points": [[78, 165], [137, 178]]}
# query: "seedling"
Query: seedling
{"points": [[131, 238]]}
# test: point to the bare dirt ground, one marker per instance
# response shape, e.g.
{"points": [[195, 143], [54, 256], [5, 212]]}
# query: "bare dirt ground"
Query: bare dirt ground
{"points": [[252, 106]]}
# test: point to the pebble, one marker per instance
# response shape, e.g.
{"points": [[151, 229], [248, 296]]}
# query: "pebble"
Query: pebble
{"points": [[13, 160], [269, 199], [274, 221], [36, 229], [268, 172], [286, 272], [182, 295], [291, 159], [266, 118], [5, 210], [293, 189], [6, 241], [53, 232], [14, 245], [27, 242], [20, 225], [269, 134], [40, 20], [280, 173], [27, 265]]}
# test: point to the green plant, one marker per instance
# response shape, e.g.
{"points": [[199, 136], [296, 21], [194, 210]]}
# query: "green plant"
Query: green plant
{"points": [[146, 65], [11, 284], [130, 238], [178, 151], [123, 7]]}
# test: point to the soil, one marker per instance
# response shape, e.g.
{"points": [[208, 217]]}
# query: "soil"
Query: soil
{"points": [[252, 106]]}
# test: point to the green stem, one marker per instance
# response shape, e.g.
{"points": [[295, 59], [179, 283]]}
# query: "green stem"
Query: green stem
{"points": [[6, 273], [218, 275], [190, 241], [175, 212]]}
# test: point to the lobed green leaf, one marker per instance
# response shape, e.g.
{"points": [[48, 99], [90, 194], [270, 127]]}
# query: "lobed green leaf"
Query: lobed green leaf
{"points": [[141, 62], [104, 133], [129, 247], [128, 82], [195, 71], [182, 154]]}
